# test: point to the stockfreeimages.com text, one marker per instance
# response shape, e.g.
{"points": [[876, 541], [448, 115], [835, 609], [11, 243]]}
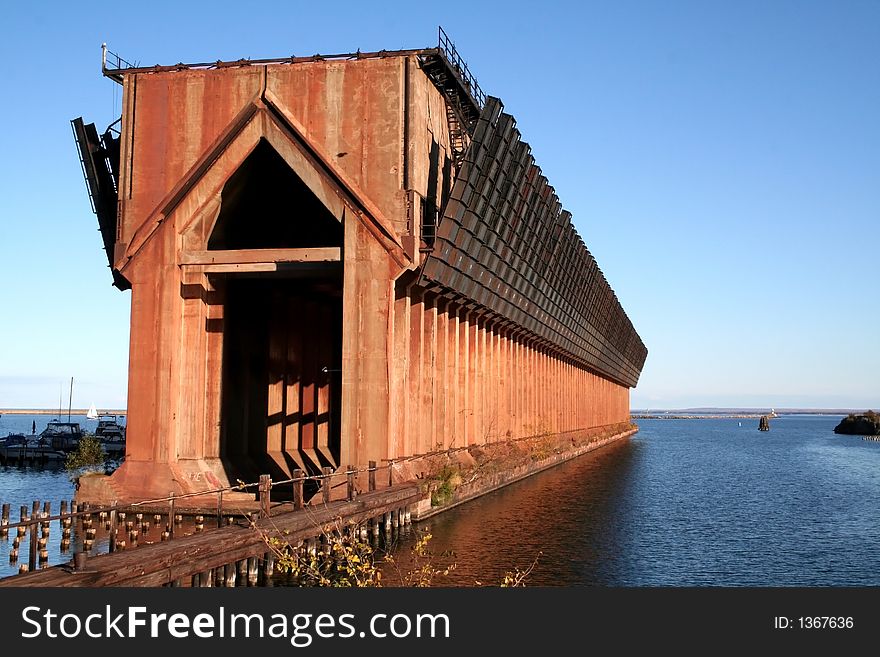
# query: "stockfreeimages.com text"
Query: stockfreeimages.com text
{"points": [[300, 629]]}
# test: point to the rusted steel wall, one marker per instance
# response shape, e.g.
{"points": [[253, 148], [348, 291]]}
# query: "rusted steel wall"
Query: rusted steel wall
{"points": [[419, 371]]}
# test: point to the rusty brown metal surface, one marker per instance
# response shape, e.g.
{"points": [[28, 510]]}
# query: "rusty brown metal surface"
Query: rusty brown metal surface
{"points": [[271, 218], [505, 243]]}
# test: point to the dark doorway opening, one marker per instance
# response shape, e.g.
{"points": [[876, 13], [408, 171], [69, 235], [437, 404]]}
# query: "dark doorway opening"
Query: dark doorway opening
{"points": [[282, 344], [281, 378]]}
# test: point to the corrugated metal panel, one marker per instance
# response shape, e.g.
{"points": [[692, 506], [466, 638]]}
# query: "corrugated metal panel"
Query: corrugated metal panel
{"points": [[505, 242]]}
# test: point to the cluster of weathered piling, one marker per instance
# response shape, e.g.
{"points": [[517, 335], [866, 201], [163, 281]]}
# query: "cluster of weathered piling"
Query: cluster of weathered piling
{"points": [[121, 529]]}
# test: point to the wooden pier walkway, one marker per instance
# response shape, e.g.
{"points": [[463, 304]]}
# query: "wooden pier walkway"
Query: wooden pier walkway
{"points": [[238, 552]]}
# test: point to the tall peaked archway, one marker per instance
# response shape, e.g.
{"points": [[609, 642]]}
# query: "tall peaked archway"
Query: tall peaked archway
{"points": [[282, 345], [265, 205]]}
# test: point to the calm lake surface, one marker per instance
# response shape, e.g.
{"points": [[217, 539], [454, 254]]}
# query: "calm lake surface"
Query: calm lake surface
{"points": [[683, 503]]}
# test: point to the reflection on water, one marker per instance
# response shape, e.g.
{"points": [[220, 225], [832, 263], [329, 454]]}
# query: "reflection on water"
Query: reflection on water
{"points": [[683, 503], [511, 527]]}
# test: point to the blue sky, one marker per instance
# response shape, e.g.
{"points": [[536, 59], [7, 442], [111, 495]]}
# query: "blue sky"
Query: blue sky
{"points": [[721, 160]]}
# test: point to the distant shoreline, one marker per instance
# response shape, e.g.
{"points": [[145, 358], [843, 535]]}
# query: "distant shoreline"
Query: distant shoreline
{"points": [[54, 411], [727, 416], [743, 412], [713, 416]]}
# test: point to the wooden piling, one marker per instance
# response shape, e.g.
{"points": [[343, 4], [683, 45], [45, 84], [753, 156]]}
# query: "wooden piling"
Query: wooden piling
{"points": [[371, 480], [32, 541], [326, 485], [220, 508], [23, 516], [349, 471], [265, 489], [47, 511], [112, 530], [229, 572], [4, 521], [298, 489], [268, 567], [252, 571]]}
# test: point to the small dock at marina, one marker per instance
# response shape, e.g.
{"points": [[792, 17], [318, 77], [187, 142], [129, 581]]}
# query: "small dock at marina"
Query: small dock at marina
{"points": [[30, 455]]}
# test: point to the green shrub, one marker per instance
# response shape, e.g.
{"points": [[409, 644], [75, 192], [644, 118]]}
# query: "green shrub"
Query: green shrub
{"points": [[88, 454]]}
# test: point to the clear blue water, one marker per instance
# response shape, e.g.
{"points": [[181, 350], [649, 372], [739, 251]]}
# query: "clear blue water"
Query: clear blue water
{"points": [[21, 486], [684, 503]]}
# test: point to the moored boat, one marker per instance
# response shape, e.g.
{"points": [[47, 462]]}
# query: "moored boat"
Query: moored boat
{"points": [[64, 436]]}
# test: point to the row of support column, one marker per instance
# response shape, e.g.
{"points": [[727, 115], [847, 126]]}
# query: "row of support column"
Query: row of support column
{"points": [[461, 378]]}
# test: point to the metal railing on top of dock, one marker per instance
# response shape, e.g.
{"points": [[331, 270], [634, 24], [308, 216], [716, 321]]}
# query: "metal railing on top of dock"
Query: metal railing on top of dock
{"points": [[447, 47]]}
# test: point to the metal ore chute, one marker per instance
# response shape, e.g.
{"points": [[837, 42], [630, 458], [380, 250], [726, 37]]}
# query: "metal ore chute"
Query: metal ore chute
{"points": [[504, 242], [99, 158]]}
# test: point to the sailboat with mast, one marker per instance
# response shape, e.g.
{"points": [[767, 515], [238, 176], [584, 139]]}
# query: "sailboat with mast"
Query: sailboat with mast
{"points": [[63, 436], [93, 412]]}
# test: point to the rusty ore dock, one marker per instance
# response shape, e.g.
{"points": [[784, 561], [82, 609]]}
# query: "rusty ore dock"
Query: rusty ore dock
{"points": [[337, 261]]}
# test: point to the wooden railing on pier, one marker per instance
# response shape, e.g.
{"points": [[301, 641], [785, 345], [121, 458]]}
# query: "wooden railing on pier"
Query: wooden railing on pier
{"points": [[235, 553]]}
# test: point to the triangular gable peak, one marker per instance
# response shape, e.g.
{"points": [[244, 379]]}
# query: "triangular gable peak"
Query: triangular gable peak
{"points": [[193, 205]]}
